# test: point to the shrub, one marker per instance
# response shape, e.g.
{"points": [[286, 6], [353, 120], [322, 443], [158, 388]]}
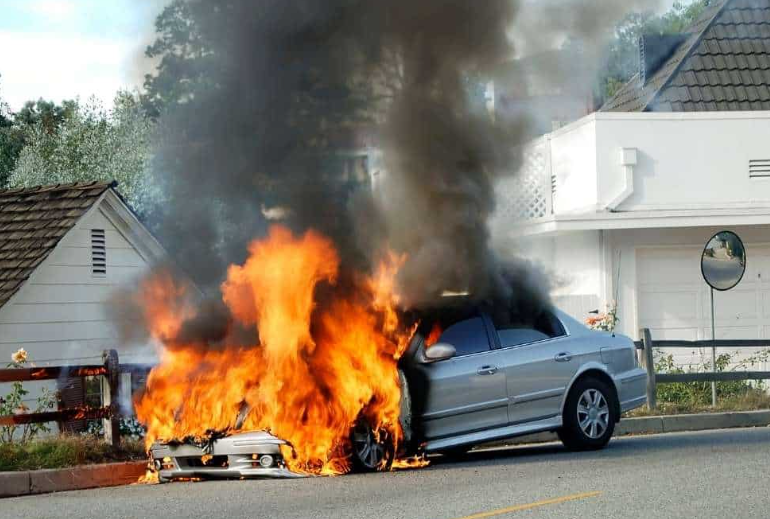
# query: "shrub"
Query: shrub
{"points": [[66, 451], [698, 394]]}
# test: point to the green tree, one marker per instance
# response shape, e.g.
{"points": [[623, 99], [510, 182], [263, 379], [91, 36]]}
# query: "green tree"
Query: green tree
{"points": [[45, 113], [194, 51], [11, 143], [90, 143], [187, 62], [16, 128]]}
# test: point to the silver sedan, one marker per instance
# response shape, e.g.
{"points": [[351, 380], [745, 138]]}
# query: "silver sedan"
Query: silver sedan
{"points": [[490, 377]]}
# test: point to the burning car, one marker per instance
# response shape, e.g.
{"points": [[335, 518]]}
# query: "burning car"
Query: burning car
{"points": [[468, 376]]}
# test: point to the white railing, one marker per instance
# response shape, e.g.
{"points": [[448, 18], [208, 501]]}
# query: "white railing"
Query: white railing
{"points": [[528, 195]]}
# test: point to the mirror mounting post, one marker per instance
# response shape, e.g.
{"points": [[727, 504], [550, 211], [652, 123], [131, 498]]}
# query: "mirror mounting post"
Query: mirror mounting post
{"points": [[722, 264]]}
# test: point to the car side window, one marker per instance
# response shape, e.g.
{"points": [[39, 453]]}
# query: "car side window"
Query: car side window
{"points": [[468, 336], [513, 332], [516, 336]]}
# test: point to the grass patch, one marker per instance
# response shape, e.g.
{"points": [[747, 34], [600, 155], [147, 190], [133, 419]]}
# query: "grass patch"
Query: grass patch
{"points": [[66, 451], [751, 399], [695, 397]]}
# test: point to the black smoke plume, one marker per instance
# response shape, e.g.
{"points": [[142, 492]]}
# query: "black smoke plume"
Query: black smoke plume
{"points": [[295, 82]]}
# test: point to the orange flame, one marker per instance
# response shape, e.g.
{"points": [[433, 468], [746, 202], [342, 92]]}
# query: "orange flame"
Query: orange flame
{"points": [[150, 478], [316, 369], [434, 335]]}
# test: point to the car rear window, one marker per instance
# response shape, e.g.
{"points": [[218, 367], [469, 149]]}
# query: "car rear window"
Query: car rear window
{"points": [[513, 332]]}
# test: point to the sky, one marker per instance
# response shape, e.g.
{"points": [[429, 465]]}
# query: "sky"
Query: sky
{"points": [[65, 49]]}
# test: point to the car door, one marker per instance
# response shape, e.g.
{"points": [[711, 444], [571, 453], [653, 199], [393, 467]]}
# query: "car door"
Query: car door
{"points": [[465, 393], [539, 365]]}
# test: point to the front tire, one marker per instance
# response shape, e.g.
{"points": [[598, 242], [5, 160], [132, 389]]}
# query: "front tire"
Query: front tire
{"points": [[372, 451], [590, 414]]}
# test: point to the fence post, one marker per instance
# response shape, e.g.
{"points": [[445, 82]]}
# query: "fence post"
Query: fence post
{"points": [[649, 365], [112, 397]]}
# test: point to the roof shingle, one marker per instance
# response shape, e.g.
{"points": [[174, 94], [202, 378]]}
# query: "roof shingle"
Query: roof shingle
{"points": [[32, 221], [723, 65]]}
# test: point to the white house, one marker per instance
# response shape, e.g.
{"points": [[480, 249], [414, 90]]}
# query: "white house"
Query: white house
{"points": [[64, 249], [619, 204]]}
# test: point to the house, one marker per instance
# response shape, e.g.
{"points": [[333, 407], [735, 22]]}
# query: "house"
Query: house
{"points": [[619, 204], [64, 249]]}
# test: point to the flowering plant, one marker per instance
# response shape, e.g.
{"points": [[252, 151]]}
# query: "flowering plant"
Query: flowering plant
{"points": [[19, 357], [604, 321], [14, 404]]}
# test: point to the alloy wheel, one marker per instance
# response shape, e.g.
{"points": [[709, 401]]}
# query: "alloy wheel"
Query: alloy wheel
{"points": [[368, 449], [593, 413]]}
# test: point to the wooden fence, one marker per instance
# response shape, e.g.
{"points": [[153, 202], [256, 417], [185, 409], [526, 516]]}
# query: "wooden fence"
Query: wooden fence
{"points": [[646, 345], [110, 412]]}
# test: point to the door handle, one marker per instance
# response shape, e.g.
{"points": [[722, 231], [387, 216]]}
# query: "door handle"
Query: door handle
{"points": [[487, 370], [563, 357]]}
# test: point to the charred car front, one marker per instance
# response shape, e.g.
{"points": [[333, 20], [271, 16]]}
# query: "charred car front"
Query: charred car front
{"points": [[252, 454]]}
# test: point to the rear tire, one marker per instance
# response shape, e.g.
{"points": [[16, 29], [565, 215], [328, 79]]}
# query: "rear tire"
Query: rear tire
{"points": [[589, 417]]}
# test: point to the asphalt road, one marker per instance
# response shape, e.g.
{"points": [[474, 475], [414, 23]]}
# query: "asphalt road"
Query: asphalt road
{"points": [[707, 474]]}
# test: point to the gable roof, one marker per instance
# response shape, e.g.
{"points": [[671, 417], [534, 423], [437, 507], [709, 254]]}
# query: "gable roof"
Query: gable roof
{"points": [[723, 65], [33, 220]]}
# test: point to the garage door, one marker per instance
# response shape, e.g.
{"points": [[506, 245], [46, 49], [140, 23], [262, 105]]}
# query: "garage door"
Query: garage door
{"points": [[673, 299]]}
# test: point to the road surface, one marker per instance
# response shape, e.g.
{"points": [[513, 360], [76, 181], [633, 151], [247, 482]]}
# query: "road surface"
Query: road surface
{"points": [[707, 474]]}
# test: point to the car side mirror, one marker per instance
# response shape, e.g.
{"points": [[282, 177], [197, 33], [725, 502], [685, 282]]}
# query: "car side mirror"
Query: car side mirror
{"points": [[439, 351]]}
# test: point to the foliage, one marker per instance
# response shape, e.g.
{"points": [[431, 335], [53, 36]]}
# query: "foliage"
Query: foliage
{"points": [[15, 128], [606, 321], [622, 52], [47, 114], [11, 142], [186, 57], [66, 451], [699, 393], [13, 404], [194, 53], [89, 143], [129, 428]]}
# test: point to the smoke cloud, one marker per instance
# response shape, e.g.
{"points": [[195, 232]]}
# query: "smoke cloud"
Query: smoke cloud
{"points": [[294, 82], [298, 81], [561, 46]]}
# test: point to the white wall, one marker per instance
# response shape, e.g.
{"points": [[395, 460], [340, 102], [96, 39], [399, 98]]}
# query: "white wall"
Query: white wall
{"points": [[574, 264], [573, 165], [693, 161], [685, 161]]}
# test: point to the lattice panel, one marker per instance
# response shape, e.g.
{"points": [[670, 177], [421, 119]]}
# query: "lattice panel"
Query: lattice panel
{"points": [[525, 196]]}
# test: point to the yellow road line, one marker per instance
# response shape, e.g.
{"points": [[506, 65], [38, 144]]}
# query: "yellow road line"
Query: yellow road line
{"points": [[519, 508]]}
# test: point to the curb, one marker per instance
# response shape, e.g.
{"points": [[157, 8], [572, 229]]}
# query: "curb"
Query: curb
{"points": [[661, 424], [24, 483]]}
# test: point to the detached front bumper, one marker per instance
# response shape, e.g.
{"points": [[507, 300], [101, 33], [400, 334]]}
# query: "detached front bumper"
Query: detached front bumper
{"points": [[247, 455]]}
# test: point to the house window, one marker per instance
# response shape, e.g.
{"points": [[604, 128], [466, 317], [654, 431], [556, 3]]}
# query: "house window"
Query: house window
{"points": [[98, 253]]}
